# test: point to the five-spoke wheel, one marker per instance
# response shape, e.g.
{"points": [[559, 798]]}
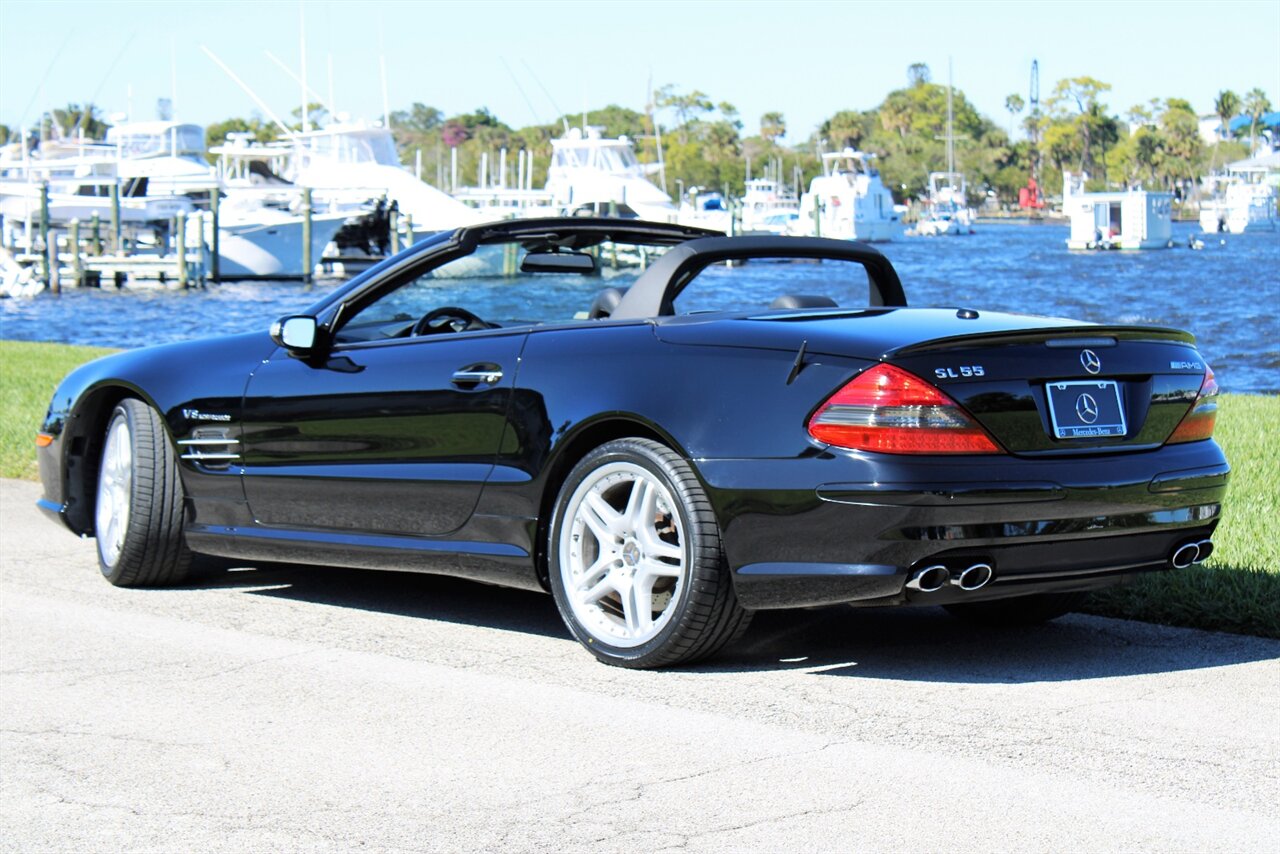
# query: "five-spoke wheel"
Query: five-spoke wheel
{"points": [[637, 568]]}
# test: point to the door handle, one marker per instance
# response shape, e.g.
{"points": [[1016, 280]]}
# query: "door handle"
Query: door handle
{"points": [[477, 375]]}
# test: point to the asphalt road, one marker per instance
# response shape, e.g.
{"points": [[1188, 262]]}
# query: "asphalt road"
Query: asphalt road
{"points": [[312, 709]]}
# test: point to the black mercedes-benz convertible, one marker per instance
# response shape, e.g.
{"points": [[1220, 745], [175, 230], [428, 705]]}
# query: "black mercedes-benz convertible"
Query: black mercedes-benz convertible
{"points": [[662, 471]]}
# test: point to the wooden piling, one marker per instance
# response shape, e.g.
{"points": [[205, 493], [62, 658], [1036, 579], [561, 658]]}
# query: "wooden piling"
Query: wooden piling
{"points": [[95, 227], [393, 225], [509, 251], [817, 217], [44, 234], [197, 228], [117, 246], [306, 235], [180, 246], [215, 260], [77, 259], [53, 280], [408, 230]]}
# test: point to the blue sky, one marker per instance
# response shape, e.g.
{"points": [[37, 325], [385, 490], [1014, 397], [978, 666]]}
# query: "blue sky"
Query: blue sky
{"points": [[805, 59]]}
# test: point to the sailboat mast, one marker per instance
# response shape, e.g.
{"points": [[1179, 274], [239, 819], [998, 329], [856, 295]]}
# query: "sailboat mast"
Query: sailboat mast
{"points": [[951, 139], [302, 68]]}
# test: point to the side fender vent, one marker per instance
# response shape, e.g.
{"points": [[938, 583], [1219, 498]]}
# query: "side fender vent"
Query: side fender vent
{"points": [[210, 447]]}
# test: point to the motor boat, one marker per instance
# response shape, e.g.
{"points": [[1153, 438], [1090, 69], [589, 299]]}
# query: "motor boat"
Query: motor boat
{"points": [[848, 201]]}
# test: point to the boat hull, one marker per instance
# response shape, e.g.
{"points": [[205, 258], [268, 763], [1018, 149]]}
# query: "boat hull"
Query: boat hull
{"points": [[274, 250]]}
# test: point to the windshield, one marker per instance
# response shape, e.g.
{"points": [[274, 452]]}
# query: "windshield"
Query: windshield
{"points": [[354, 148], [176, 141], [611, 158], [490, 283]]}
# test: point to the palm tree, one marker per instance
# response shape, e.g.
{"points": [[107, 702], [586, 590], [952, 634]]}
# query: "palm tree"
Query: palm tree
{"points": [[1226, 105], [1014, 105], [1256, 106], [772, 126]]}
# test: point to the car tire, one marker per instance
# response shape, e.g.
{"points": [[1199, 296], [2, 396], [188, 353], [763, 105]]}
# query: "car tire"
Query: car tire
{"points": [[139, 512], [1020, 610], [635, 559]]}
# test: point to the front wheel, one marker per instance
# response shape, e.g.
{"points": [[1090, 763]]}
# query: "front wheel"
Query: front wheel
{"points": [[636, 565], [138, 517]]}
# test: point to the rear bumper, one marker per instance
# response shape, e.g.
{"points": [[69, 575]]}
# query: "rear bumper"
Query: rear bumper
{"points": [[847, 527]]}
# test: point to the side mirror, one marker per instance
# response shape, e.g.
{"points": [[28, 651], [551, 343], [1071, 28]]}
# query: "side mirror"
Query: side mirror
{"points": [[296, 334]]}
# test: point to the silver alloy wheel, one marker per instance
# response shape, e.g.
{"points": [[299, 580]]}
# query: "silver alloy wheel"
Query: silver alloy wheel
{"points": [[623, 554], [115, 491]]}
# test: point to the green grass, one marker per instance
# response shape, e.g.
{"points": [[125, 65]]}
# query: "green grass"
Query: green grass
{"points": [[28, 375], [1237, 590]]}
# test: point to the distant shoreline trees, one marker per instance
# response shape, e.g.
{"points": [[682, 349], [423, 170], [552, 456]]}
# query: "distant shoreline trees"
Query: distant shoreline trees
{"points": [[702, 142]]}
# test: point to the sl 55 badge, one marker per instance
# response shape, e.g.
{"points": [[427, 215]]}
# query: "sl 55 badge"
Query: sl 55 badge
{"points": [[958, 372]]}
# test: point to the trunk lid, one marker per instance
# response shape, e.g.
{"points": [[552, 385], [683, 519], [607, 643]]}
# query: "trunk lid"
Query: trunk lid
{"points": [[1084, 390], [1007, 370]]}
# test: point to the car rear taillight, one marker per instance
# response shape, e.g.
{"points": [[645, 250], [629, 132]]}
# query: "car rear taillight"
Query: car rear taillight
{"points": [[1197, 424], [890, 411]]}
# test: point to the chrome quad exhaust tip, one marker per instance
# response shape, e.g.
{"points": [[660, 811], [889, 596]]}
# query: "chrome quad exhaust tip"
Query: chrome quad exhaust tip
{"points": [[1206, 549], [1187, 554], [930, 579], [974, 577]]}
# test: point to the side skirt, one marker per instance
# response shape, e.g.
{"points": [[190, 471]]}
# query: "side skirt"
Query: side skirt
{"points": [[494, 563]]}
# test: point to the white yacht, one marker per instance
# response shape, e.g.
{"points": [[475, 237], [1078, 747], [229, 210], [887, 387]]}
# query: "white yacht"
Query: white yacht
{"points": [[705, 208], [80, 188], [351, 163], [947, 210], [848, 201], [1131, 219], [589, 172], [1244, 199], [257, 241], [768, 206], [170, 155], [348, 167]]}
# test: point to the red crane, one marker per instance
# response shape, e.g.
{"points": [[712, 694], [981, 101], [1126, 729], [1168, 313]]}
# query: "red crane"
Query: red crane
{"points": [[1029, 197]]}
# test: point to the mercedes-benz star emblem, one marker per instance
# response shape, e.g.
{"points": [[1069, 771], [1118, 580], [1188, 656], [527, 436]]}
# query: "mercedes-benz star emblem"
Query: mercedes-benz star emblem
{"points": [[1090, 360], [1087, 408]]}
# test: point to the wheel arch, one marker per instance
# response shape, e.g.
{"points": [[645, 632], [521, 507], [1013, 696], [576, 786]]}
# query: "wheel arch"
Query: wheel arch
{"points": [[570, 450], [82, 447]]}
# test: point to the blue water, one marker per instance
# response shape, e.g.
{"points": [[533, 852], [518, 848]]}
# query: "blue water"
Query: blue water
{"points": [[1228, 294]]}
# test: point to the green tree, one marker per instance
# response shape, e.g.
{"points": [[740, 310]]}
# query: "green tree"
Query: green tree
{"points": [[216, 133], [846, 129], [1148, 147], [419, 118], [70, 121], [918, 74], [772, 127], [1226, 106], [1077, 101], [895, 113], [1256, 106], [688, 107], [317, 115], [1014, 105], [1180, 130]]}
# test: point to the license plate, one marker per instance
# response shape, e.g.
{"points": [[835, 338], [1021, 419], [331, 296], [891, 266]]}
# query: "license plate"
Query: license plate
{"points": [[1086, 409]]}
